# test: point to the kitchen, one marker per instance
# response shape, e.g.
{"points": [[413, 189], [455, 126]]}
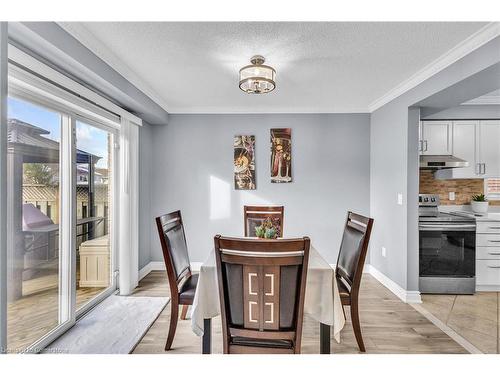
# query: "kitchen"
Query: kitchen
{"points": [[459, 219]]}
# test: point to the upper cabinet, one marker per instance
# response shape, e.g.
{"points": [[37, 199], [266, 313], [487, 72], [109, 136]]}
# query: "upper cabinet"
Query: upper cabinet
{"points": [[435, 137], [477, 142], [464, 142], [489, 148]]}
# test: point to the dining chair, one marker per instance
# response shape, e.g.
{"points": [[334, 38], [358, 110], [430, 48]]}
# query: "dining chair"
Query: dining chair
{"points": [[180, 278], [349, 268], [261, 290], [255, 215]]}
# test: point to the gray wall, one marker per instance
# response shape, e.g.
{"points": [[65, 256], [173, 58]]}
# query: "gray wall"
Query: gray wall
{"points": [[192, 170], [394, 168], [467, 112], [145, 175]]}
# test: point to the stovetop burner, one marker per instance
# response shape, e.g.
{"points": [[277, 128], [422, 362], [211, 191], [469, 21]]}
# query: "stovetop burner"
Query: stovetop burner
{"points": [[428, 211]]}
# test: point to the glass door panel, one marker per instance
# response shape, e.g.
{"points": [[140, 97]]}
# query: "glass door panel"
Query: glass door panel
{"points": [[94, 177], [33, 250]]}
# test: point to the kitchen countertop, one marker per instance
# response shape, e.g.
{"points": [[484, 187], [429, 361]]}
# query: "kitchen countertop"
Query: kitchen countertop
{"points": [[490, 216]]}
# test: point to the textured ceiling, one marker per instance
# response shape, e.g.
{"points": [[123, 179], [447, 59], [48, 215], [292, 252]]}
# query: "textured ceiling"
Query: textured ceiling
{"points": [[321, 67]]}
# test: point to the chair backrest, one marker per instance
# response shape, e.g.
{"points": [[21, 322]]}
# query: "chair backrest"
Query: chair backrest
{"points": [[255, 215], [262, 288], [353, 250], [174, 247]]}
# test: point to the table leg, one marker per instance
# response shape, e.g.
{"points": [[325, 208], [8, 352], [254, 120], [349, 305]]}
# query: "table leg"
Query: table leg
{"points": [[206, 346], [324, 338]]}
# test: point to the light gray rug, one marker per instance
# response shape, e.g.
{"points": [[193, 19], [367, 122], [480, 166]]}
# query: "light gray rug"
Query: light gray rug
{"points": [[115, 326]]}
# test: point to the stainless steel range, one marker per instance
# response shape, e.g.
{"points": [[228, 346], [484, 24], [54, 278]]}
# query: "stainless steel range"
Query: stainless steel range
{"points": [[447, 246]]}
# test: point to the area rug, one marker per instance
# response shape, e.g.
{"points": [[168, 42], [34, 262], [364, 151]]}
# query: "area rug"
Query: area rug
{"points": [[115, 326]]}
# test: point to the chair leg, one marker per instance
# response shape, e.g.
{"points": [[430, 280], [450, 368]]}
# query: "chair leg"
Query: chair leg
{"points": [[356, 325], [174, 314], [184, 311]]}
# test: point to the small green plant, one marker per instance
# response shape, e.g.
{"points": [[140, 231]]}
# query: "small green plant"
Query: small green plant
{"points": [[268, 229], [479, 198]]}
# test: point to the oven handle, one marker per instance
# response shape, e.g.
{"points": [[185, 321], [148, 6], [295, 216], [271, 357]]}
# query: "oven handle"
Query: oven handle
{"points": [[447, 227]]}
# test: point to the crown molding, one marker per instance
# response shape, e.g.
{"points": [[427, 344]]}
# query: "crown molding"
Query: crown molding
{"points": [[476, 40], [89, 40], [264, 110]]}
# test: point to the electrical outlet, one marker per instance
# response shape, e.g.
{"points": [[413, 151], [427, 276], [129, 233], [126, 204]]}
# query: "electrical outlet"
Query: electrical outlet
{"points": [[384, 251], [451, 195]]}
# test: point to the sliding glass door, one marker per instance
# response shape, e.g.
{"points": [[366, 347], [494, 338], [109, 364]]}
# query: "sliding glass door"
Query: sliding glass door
{"points": [[33, 195], [60, 215], [94, 208]]}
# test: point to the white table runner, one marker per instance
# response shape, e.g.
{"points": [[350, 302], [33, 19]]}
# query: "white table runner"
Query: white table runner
{"points": [[322, 301]]}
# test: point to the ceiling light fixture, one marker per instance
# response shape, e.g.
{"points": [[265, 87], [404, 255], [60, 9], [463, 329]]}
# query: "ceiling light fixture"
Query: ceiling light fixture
{"points": [[257, 78]]}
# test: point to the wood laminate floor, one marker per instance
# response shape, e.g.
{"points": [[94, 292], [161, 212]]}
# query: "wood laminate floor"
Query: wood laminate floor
{"points": [[34, 315], [476, 318], [388, 324]]}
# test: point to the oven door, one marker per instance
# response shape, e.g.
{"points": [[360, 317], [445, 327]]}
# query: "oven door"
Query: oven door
{"points": [[447, 250]]}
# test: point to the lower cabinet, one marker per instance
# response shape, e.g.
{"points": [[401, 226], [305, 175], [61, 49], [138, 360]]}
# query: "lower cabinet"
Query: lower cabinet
{"points": [[488, 273], [488, 256]]}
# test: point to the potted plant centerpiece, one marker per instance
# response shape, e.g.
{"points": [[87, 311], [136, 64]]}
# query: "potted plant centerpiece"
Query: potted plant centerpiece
{"points": [[479, 204], [267, 230]]}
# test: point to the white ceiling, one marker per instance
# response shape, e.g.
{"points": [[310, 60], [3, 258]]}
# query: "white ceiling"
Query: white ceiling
{"points": [[321, 67]]}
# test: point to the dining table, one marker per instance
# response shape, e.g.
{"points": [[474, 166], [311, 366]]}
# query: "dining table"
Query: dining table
{"points": [[322, 301]]}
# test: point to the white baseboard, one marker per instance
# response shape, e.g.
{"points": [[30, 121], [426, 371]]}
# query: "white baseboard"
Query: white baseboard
{"points": [[160, 266], [151, 266], [408, 296]]}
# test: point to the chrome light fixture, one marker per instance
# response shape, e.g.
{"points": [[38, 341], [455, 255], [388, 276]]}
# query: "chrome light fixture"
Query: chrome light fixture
{"points": [[257, 78]]}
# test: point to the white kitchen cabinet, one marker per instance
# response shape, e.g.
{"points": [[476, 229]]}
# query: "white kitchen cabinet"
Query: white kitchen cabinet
{"points": [[477, 142], [487, 275], [464, 147], [489, 148], [435, 137], [488, 256], [488, 227]]}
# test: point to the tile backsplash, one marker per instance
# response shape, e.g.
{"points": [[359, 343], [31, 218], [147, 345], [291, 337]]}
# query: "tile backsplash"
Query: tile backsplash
{"points": [[463, 188]]}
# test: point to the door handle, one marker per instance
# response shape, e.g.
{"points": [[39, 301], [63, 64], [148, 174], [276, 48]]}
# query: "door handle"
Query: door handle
{"points": [[493, 227], [494, 241], [425, 142], [484, 168], [420, 145], [478, 168], [494, 252], [493, 266]]}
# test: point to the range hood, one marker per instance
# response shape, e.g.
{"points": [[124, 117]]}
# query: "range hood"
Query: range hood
{"points": [[435, 162]]}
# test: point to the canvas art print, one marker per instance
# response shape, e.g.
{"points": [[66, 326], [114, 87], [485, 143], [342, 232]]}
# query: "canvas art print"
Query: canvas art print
{"points": [[244, 162], [281, 155]]}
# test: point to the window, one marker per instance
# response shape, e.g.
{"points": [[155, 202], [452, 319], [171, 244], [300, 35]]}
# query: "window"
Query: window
{"points": [[492, 188]]}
